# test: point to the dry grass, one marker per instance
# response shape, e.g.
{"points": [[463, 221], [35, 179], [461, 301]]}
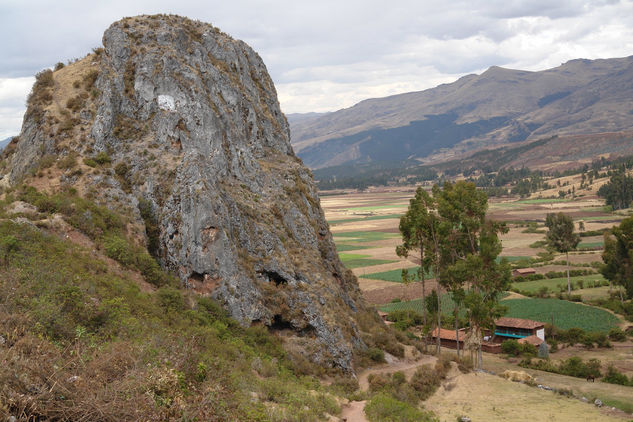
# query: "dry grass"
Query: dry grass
{"points": [[579, 386], [484, 397]]}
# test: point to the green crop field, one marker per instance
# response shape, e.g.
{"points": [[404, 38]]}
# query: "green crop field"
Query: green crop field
{"points": [[416, 305], [357, 219], [352, 260], [377, 207], [553, 283], [394, 275], [605, 208], [593, 293], [342, 247], [512, 258], [541, 201], [591, 245], [361, 236], [600, 217], [566, 314]]}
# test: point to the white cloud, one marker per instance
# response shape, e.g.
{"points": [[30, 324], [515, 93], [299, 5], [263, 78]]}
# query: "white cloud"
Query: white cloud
{"points": [[13, 93], [330, 54]]}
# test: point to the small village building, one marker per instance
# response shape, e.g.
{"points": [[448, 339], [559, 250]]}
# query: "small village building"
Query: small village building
{"points": [[384, 316], [522, 272], [448, 338], [523, 330]]}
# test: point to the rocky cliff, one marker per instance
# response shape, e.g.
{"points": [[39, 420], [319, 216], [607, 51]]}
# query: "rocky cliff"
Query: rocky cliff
{"points": [[177, 125]]}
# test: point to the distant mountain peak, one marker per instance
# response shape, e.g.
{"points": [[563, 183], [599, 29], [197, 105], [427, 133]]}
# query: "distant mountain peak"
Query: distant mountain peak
{"points": [[500, 105]]}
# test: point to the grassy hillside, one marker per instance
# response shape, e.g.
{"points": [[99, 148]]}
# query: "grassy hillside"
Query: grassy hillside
{"points": [[91, 331]]}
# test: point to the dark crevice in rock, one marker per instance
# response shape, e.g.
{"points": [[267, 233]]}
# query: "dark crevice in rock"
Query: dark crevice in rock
{"points": [[274, 277], [279, 324], [194, 276], [308, 331]]}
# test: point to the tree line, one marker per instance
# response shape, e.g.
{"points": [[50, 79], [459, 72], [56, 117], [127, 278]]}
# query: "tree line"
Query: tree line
{"points": [[449, 230]]}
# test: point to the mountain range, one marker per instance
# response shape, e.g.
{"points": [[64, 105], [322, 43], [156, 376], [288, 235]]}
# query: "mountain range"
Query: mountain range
{"points": [[5, 142], [499, 107]]}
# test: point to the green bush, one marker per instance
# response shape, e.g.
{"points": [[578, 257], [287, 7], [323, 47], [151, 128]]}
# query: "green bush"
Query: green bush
{"points": [[119, 249], [616, 334], [613, 376], [376, 354], [384, 408], [404, 319], [102, 158], [511, 347], [574, 366], [425, 381], [600, 340], [90, 162], [170, 299], [514, 348]]}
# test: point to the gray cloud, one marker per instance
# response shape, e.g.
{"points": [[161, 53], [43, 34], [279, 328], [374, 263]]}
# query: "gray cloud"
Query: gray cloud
{"points": [[331, 54]]}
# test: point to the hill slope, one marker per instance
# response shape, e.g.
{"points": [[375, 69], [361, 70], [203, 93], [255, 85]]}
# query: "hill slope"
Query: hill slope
{"points": [[497, 107]]}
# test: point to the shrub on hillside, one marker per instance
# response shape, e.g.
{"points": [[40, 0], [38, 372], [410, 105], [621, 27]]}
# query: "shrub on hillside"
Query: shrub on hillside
{"points": [[514, 348], [385, 408], [403, 319], [376, 354], [613, 376], [616, 334], [574, 366]]}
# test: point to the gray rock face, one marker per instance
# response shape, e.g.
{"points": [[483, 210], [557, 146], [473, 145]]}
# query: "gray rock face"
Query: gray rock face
{"points": [[191, 121]]}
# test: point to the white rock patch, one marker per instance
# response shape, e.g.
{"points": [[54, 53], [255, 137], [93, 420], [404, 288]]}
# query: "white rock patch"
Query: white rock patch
{"points": [[166, 102]]}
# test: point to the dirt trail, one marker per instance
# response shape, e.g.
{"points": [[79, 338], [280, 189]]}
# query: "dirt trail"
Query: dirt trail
{"points": [[354, 411], [406, 366]]}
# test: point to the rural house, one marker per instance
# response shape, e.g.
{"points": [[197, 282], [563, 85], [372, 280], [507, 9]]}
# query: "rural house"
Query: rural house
{"points": [[523, 272], [523, 330], [448, 338]]}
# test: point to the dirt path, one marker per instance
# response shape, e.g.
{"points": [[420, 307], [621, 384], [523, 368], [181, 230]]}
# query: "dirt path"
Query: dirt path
{"points": [[354, 410], [406, 366]]}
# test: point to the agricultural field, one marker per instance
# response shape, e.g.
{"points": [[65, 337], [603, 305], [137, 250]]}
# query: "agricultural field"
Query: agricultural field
{"points": [[559, 284], [355, 260], [564, 314], [365, 230]]}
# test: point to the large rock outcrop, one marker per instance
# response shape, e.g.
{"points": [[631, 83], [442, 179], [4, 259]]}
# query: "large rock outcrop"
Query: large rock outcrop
{"points": [[190, 121]]}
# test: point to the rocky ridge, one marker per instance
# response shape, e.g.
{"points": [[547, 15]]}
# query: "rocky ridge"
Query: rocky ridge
{"points": [[177, 125]]}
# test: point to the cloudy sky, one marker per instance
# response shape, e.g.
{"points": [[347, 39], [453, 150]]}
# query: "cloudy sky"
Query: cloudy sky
{"points": [[326, 55]]}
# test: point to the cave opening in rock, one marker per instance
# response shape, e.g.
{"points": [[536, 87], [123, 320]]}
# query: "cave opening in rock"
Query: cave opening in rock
{"points": [[279, 323], [275, 277], [194, 276]]}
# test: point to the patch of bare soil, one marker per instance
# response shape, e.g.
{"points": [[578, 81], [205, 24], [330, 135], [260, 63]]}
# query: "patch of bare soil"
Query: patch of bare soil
{"points": [[354, 411], [514, 295], [380, 296]]}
